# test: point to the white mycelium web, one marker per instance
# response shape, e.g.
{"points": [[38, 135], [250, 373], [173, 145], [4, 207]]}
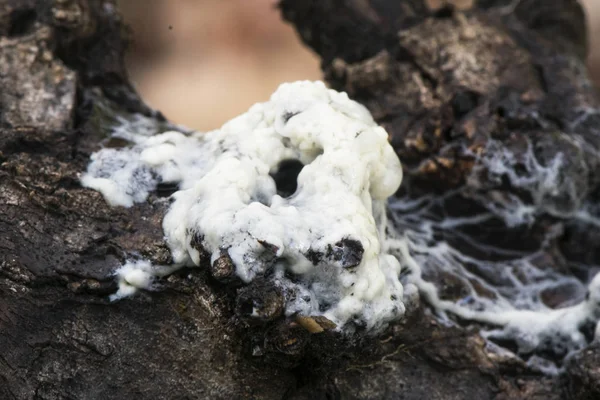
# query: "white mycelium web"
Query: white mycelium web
{"points": [[321, 236], [501, 282]]}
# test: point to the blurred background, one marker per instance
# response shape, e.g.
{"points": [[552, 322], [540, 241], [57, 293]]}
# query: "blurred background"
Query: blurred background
{"points": [[202, 62]]}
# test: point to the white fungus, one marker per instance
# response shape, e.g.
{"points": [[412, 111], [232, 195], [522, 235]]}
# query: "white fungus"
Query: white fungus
{"points": [[294, 191], [138, 274], [321, 243], [131, 277]]}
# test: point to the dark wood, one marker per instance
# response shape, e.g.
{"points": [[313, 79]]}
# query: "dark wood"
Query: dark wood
{"points": [[440, 80]]}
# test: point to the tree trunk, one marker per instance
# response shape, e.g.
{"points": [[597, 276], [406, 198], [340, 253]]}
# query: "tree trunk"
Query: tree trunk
{"points": [[444, 80]]}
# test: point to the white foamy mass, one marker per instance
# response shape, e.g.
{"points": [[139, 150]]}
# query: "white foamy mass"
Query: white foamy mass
{"points": [[320, 242]]}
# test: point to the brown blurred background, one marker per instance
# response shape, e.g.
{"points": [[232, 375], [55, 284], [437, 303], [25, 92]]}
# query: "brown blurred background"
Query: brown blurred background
{"points": [[201, 62]]}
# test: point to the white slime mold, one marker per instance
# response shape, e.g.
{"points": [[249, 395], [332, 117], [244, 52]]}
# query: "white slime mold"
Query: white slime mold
{"points": [[327, 243], [321, 245]]}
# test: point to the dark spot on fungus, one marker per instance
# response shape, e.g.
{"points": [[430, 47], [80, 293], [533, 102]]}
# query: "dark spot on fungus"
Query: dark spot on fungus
{"points": [[324, 306], [348, 252], [588, 329], [314, 256], [268, 246], [197, 243], [286, 176], [287, 115], [166, 189]]}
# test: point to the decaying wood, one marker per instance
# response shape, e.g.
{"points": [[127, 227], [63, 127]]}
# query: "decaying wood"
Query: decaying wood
{"points": [[441, 77]]}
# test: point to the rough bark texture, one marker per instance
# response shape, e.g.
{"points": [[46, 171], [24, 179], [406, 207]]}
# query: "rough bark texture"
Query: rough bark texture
{"points": [[411, 62]]}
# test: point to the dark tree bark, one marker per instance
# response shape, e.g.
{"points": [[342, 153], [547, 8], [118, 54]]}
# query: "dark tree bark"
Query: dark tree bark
{"points": [[440, 78]]}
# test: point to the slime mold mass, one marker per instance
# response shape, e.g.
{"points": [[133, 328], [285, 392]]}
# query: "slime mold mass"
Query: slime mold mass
{"points": [[291, 199], [292, 191]]}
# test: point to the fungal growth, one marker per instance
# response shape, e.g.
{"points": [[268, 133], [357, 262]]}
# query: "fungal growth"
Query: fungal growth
{"points": [[292, 192], [475, 261], [292, 201]]}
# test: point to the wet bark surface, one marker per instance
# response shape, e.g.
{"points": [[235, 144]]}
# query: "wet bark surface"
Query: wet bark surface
{"points": [[63, 83]]}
